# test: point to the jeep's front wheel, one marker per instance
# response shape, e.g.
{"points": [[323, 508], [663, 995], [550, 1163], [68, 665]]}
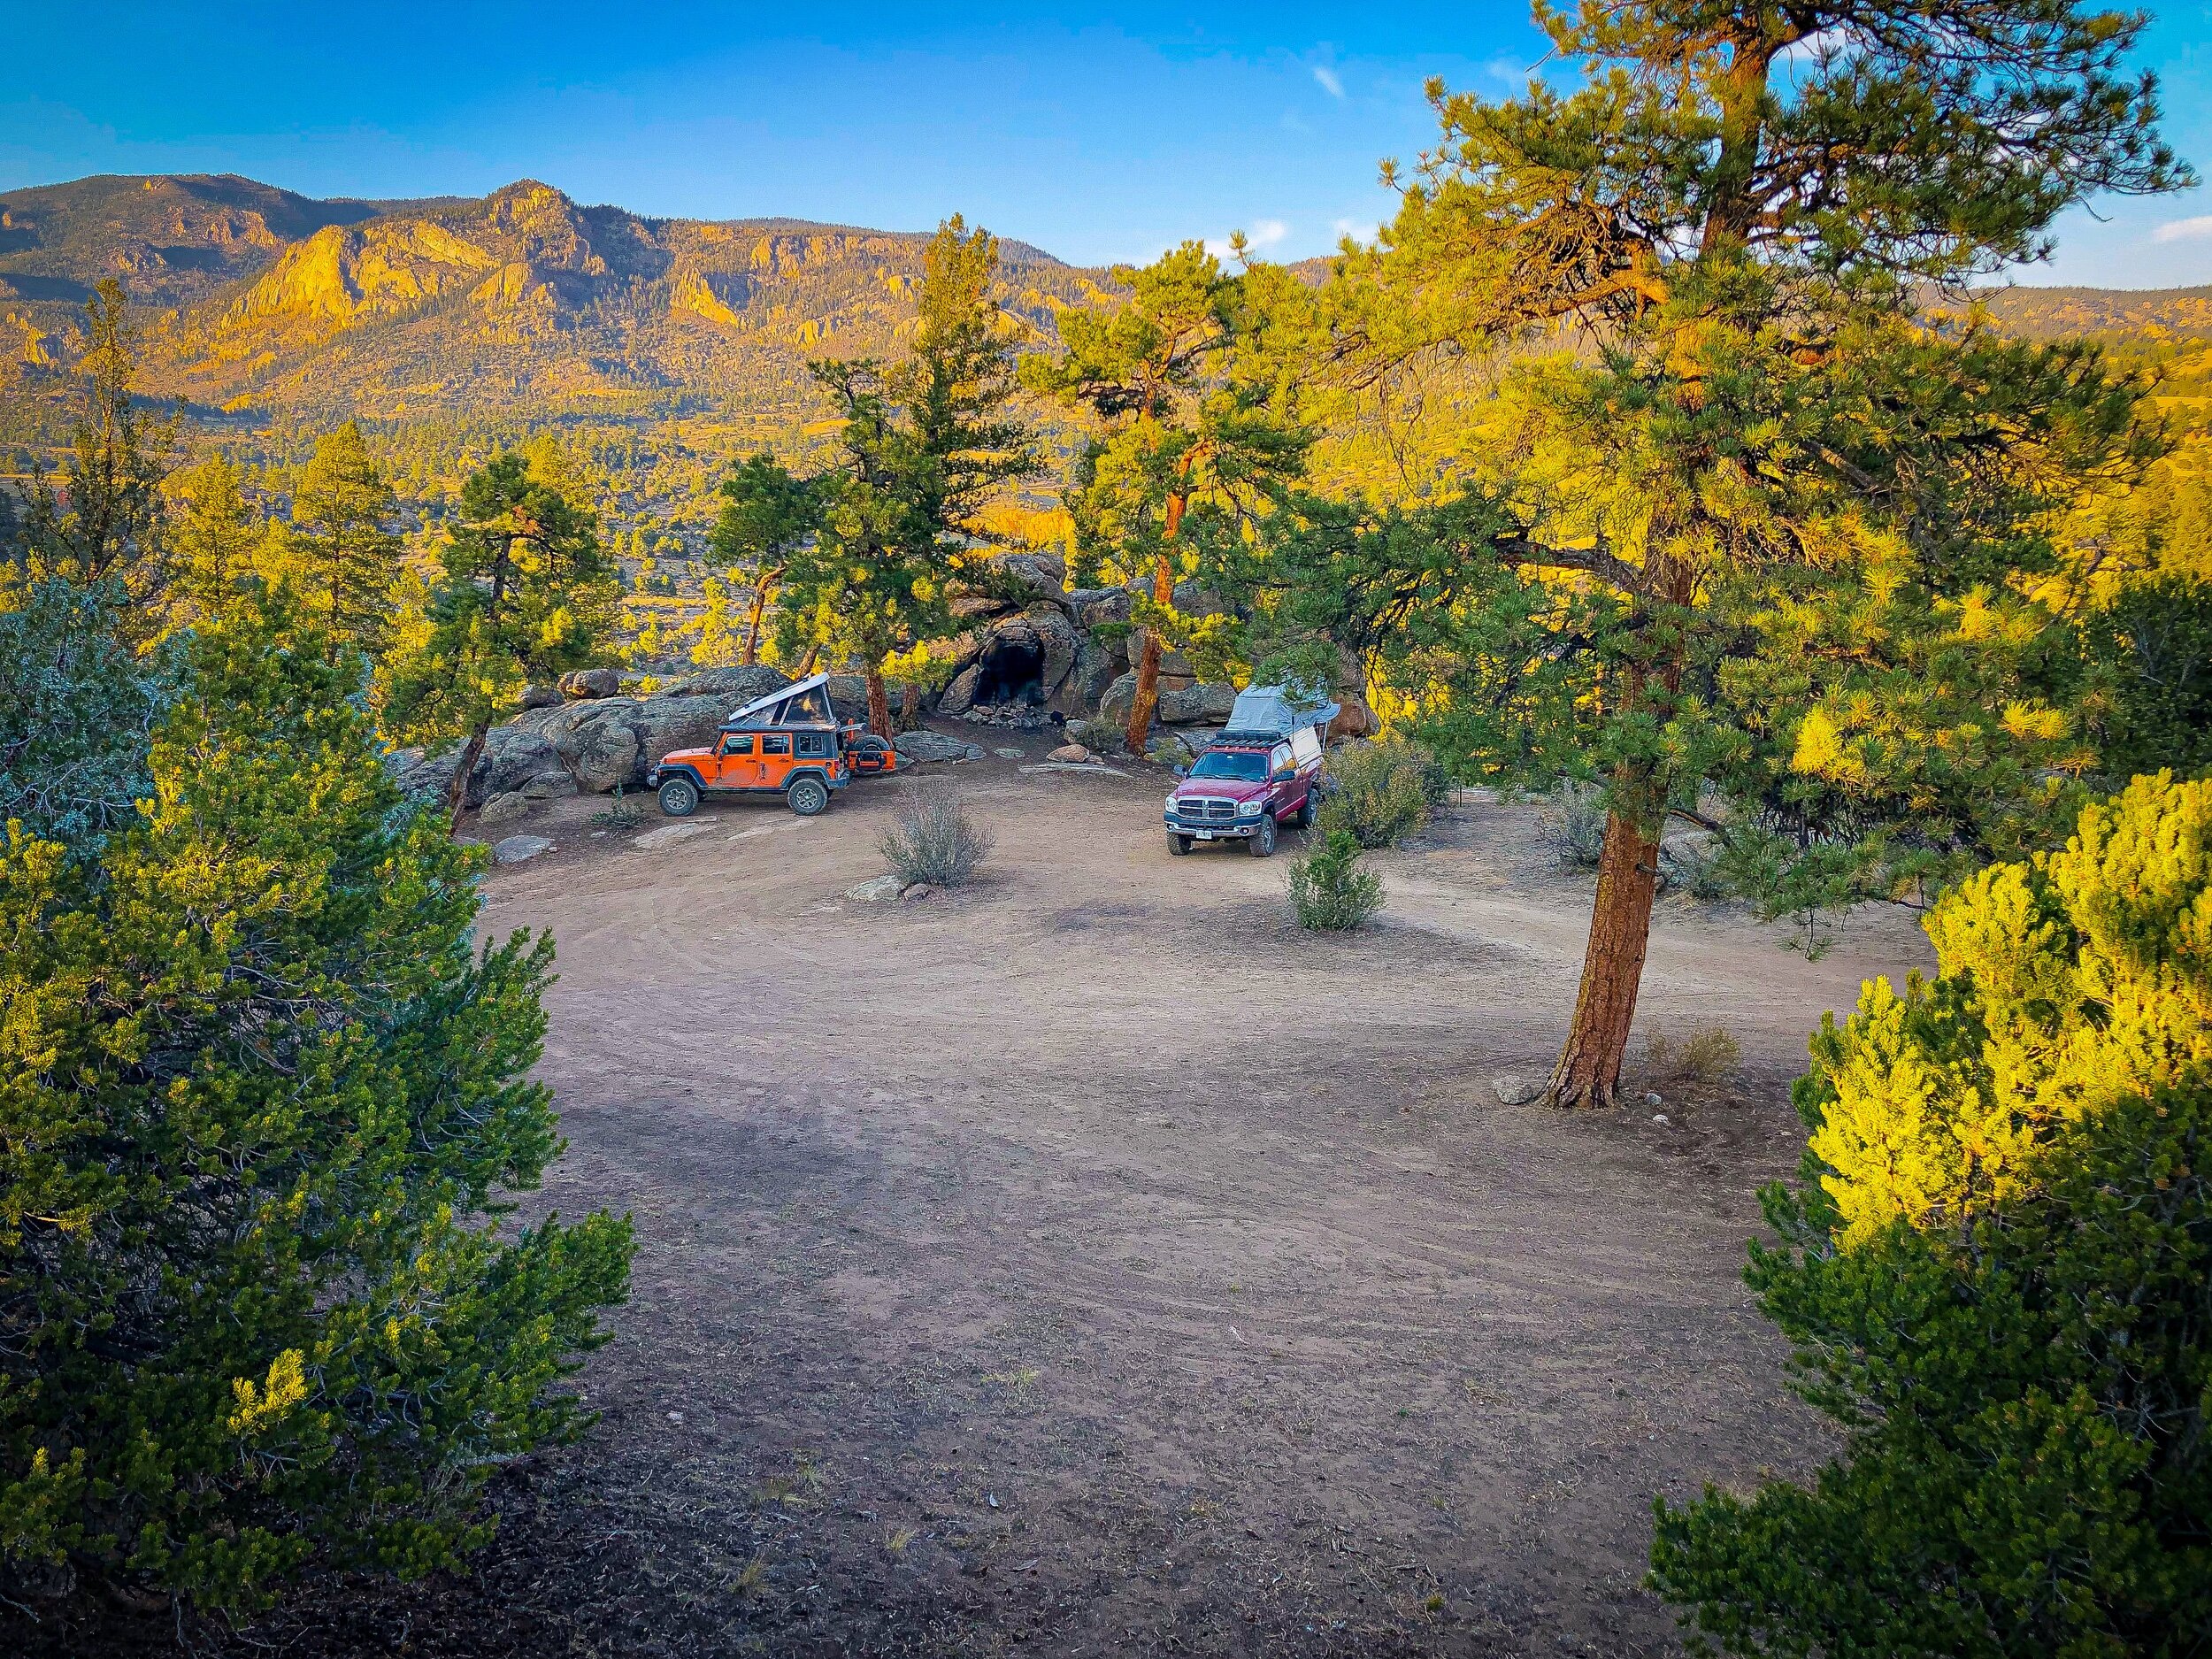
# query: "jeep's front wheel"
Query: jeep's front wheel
{"points": [[680, 797], [807, 796]]}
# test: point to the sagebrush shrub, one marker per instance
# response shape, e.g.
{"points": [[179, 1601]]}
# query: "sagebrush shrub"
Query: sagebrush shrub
{"points": [[1708, 1055], [1574, 825], [933, 840], [1691, 864], [1994, 1279], [1329, 892], [1383, 791]]}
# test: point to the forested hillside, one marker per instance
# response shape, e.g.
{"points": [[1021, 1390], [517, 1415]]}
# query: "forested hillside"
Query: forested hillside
{"points": [[658, 349]]}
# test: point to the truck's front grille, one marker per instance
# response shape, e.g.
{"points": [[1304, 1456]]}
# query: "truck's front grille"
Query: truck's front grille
{"points": [[1207, 809]]}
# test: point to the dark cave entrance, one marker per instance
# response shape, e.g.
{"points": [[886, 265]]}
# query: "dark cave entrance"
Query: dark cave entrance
{"points": [[1011, 670]]}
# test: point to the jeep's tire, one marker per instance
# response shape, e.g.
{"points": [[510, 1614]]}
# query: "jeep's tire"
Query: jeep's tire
{"points": [[1179, 845], [807, 796], [871, 754], [1263, 841], [680, 797]]}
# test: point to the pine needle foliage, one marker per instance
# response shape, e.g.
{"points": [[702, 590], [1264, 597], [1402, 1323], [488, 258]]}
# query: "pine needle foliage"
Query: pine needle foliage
{"points": [[1994, 1277], [1739, 514], [528, 593], [342, 538], [260, 1096], [923, 444]]}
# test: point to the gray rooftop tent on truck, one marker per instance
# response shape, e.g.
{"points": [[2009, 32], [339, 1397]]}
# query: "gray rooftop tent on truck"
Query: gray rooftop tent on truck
{"points": [[1279, 710], [1268, 714]]}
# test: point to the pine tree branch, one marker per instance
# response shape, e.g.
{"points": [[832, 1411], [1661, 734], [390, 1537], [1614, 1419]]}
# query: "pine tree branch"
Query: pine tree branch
{"points": [[1598, 561]]}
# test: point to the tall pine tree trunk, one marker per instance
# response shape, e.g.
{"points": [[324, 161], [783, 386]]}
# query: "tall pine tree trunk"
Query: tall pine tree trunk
{"points": [[1589, 1069], [457, 793], [1147, 701], [752, 622], [878, 704]]}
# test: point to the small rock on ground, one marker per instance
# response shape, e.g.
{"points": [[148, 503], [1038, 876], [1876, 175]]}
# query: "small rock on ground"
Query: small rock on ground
{"points": [[505, 809], [1514, 1090], [1006, 753], [519, 849], [877, 891], [668, 835], [1074, 754], [919, 890]]}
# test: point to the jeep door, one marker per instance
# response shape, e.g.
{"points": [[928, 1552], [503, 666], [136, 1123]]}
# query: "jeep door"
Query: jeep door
{"points": [[736, 766], [775, 760]]}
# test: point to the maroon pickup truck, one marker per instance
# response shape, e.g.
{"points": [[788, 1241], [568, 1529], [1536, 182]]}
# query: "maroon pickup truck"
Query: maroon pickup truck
{"points": [[1244, 786]]}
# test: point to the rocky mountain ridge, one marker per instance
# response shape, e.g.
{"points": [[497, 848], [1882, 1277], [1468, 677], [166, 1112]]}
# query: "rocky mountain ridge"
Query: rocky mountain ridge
{"points": [[256, 300]]}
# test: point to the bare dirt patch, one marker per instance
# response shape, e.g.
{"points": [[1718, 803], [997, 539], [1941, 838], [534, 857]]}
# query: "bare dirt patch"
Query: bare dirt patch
{"points": [[1089, 1262]]}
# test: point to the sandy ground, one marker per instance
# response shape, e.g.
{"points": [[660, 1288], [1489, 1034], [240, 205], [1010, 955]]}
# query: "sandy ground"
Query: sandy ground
{"points": [[1089, 1262]]}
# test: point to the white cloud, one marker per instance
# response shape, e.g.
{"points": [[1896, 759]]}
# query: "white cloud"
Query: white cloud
{"points": [[1331, 81], [2183, 229]]}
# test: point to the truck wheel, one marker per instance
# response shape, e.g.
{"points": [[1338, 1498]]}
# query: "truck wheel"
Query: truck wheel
{"points": [[807, 796], [1263, 841], [1180, 845], [1303, 818], [680, 797]]}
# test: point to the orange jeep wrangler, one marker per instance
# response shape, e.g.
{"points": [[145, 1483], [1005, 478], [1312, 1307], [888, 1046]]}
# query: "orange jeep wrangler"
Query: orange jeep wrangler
{"points": [[789, 743]]}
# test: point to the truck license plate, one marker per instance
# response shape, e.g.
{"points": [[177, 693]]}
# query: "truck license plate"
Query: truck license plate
{"points": [[1204, 835]]}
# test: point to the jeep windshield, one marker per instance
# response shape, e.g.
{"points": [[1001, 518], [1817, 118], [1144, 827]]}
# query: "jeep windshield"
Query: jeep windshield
{"points": [[1237, 766]]}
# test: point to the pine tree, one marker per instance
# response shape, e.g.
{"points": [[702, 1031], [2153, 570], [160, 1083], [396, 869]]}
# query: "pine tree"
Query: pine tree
{"points": [[78, 704], [1757, 449], [215, 537], [1994, 1277], [342, 538], [923, 445], [870, 583], [1184, 416], [109, 521], [765, 514], [259, 1096], [527, 594]]}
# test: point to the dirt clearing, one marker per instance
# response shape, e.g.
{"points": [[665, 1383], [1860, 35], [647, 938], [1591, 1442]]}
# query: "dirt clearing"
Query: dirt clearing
{"points": [[1088, 1262]]}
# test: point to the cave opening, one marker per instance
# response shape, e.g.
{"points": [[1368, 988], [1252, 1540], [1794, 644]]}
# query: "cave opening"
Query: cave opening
{"points": [[1011, 670]]}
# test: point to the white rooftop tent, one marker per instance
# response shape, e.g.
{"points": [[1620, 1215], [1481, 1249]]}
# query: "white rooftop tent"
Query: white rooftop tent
{"points": [[771, 710]]}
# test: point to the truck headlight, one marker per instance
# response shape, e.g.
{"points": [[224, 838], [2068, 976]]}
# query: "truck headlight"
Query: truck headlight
{"points": [[1250, 809], [1170, 806]]}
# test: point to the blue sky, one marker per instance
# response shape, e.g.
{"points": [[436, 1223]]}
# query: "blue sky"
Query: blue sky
{"points": [[1095, 140]]}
